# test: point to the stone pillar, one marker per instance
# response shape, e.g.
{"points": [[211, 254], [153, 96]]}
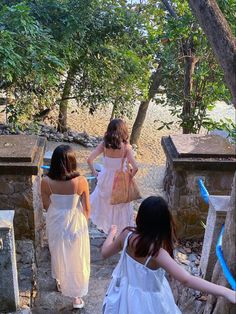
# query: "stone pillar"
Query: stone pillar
{"points": [[20, 160], [188, 158], [9, 292], [218, 207]]}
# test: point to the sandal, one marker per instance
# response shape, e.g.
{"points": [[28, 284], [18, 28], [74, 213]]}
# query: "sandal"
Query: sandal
{"points": [[78, 305], [58, 285]]}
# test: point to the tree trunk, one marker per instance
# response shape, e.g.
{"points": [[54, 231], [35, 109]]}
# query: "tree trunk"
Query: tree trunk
{"points": [[138, 123], [220, 37], [62, 119], [190, 62], [216, 305], [155, 81], [113, 113]]}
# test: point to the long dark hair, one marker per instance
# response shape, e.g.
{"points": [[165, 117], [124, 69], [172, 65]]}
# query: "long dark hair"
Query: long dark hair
{"points": [[63, 164], [154, 227], [117, 133]]}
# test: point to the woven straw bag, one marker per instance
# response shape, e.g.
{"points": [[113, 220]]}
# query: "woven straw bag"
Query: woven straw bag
{"points": [[124, 188]]}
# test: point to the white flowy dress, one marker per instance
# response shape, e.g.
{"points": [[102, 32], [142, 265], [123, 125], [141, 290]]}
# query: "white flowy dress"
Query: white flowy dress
{"points": [[137, 289], [103, 214], [68, 240]]}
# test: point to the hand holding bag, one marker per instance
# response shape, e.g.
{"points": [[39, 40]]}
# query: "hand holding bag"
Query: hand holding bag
{"points": [[124, 189]]}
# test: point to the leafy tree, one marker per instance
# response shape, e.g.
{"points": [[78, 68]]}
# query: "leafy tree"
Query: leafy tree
{"points": [[100, 42], [29, 66], [192, 79]]}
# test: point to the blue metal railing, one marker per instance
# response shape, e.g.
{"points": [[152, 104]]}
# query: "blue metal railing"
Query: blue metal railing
{"points": [[219, 253], [222, 261], [203, 191]]}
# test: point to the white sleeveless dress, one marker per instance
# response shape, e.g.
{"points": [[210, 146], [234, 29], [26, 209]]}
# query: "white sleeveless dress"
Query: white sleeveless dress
{"points": [[68, 239], [137, 289], [103, 214]]}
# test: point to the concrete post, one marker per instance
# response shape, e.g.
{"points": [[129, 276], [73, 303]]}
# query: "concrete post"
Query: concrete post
{"points": [[218, 207], [9, 291]]}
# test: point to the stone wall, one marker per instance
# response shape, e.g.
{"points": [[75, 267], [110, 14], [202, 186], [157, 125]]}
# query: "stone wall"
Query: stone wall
{"points": [[16, 193], [183, 196]]}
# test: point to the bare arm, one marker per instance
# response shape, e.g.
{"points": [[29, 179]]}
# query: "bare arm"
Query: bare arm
{"points": [[83, 190], [96, 152], [112, 246], [176, 271], [132, 161], [45, 194]]}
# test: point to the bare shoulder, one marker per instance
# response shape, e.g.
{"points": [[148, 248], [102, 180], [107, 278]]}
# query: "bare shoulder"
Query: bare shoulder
{"points": [[44, 185], [122, 236], [128, 146], [44, 181], [82, 180], [163, 256], [101, 145]]}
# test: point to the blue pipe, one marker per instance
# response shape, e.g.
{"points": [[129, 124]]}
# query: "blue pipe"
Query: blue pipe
{"points": [[48, 167], [203, 191], [224, 266]]}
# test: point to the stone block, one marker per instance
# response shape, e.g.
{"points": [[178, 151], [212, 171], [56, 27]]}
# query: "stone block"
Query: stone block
{"points": [[9, 292], [190, 157], [23, 200], [219, 181], [7, 188]]}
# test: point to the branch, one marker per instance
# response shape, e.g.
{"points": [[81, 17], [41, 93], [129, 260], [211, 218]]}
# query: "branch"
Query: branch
{"points": [[169, 9]]}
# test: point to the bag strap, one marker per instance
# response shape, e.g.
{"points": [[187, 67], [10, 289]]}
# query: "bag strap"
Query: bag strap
{"points": [[123, 158]]}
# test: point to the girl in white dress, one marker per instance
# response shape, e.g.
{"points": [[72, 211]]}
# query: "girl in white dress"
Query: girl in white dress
{"points": [[65, 196], [114, 147], [138, 283]]}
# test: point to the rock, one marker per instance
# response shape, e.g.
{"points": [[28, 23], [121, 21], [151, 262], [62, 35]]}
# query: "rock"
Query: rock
{"points": [[197, 262], [89, 145], [185, 262], [79, 140], [194, 271], [181, 257], [203, 298], [60, 136], [181, 250], [188, 250], [192, 257]]}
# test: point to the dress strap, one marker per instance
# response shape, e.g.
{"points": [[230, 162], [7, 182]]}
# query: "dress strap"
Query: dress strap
{"points": [[47, 180], [147, 261], [75, 186], [125, 244]]}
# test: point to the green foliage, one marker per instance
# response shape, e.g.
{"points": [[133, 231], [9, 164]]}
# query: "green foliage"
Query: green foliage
{"points": [[30, 67], [103, 42], [226, 124], [184, 39], [113, 47]]}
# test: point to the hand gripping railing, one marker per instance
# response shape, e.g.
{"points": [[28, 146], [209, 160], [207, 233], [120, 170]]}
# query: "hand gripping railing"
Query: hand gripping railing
{"points": [[219, 253]]}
